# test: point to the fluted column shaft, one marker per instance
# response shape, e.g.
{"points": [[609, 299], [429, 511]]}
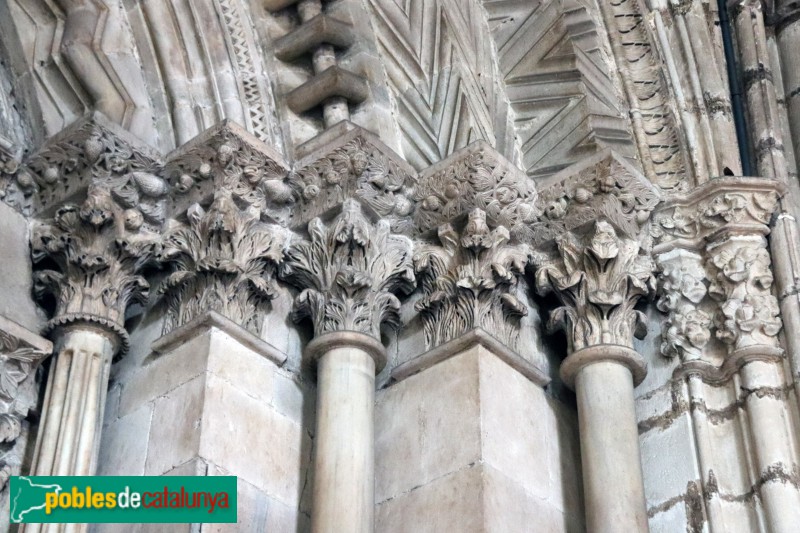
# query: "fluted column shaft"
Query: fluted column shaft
{"points": [[69, 435]]}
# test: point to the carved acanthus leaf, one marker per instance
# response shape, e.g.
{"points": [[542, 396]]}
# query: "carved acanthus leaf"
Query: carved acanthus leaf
{"points": [[98, 262], [20, 354], [223, 259], [475, 177], [742, 282], [472, 280], [682, 287], [598, 280], [350, 272]]}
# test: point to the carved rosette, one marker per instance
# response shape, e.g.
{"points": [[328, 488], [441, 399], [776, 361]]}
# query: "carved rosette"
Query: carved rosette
{"points": [[224, 259], [97, 263], [598, 280], [349, 273], [682, 287], [20, 355], [474, 279], [742, 284]]}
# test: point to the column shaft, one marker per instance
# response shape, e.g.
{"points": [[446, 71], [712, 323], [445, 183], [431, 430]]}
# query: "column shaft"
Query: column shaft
{"points": [[73, 410], [772, 436], [612, 468], [344, 478]]}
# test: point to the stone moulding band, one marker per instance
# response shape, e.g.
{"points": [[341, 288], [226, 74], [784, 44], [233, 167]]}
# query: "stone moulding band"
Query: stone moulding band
{"points": [[733, 363], [212, 319], [347, 339], [474, 337], [614, 353]]}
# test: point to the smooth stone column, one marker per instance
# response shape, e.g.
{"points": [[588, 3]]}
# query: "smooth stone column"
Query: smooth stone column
{"points": [[603, 378], [773, 439], [74, 404], [344, 464]]}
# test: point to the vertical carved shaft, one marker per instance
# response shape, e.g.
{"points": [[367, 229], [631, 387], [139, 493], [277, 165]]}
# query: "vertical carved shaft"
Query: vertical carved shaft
{"points": [[788, 38], [74, 404], [759, 90], [69, 433], [749, 323], [344, 461], [599, 280], [349, 273]]}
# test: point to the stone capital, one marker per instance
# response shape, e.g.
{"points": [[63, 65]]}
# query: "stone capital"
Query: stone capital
{"points": [[598, 278], [740, 204], [349, 272], [21, 352], [89, 257], [221, 258], [92, 151], [472, 278]]}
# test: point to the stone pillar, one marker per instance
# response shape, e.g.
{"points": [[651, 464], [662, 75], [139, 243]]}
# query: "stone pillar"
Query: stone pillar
{"points": [[349, 273], [344, 462], [97, 258], [598, 279], [75, 401]]}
